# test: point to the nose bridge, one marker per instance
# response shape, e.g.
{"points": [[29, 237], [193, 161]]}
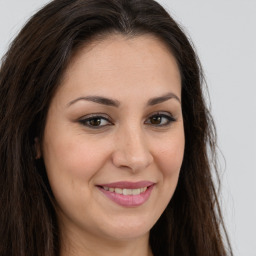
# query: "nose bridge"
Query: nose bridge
{"points": [[135, 144], [132, 149]]}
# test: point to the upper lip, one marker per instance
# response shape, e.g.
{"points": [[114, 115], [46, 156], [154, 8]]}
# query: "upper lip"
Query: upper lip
{"points": [[128, 184]]}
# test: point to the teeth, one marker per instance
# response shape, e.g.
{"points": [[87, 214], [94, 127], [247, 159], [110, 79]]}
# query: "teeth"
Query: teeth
{"points": [[118, 191], [126, 191], [136, 191], [143, 190]]}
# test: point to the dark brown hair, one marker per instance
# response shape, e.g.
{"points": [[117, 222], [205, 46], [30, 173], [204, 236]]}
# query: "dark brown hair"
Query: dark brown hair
{"points": [[30, 73]]}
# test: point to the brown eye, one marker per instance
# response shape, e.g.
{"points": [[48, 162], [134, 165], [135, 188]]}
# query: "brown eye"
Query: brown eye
{"points": [[160, 120], [156, 120], [95, 122]]}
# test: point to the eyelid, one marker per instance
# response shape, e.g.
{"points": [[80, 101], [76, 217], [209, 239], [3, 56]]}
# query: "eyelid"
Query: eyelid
{"points": [[84, 121], [87, 118], [164, 114], [94, 115]]}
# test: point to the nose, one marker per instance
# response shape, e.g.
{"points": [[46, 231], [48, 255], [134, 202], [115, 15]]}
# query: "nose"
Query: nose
{"points": [[132, 150]]}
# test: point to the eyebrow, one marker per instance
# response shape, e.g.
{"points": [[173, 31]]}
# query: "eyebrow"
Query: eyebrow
{"points": [[116, 103], [97, 99], [163, 98]]}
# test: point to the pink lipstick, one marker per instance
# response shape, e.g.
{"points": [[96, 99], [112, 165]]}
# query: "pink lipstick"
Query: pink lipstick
{"points": [[128, 194]]}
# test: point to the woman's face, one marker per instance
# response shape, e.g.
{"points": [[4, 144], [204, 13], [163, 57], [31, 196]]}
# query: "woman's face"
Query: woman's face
{"points": [[114, 141]]}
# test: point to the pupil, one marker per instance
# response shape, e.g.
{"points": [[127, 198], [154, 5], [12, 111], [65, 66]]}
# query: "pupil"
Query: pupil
{"points": [[156, 120], [95, 122]]}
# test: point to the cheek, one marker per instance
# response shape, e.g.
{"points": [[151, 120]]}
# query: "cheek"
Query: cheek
{"points": [[170, 155], [74, 157], [169, 159], [71, 166]]}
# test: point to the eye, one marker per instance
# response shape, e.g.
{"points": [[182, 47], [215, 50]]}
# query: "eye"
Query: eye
{"points": [[95, 122], [160, 119]]}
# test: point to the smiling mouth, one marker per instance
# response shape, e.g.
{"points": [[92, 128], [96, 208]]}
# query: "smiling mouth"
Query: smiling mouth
{"points": [[126, 191], [128, 194]]}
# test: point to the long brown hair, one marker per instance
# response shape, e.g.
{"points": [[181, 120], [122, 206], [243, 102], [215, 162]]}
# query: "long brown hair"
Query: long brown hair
{"points": [[31, 71]]}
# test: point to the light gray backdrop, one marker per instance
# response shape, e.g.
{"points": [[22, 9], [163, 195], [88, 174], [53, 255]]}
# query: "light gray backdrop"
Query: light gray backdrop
{"points": [[224, 33]]}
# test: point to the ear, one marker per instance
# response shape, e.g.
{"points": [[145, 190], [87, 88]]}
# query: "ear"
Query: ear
{"points": [[37, 148]]}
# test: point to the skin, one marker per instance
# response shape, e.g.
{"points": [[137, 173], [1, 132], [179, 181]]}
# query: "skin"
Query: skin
{"points": [[127, 144]]}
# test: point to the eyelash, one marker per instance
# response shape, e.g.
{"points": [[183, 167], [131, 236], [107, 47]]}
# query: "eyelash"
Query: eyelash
{"points": [[85, 121], [98, 118], [169, 119]]}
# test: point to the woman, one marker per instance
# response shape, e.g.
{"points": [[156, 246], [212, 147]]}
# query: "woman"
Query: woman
{"points": [[105, 140]]}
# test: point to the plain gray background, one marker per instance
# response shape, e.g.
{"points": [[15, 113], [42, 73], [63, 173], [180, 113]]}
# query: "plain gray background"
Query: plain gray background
{"points": [[224, 34]]}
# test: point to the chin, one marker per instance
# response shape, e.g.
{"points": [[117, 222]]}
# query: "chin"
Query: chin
{"points": [[129, 229]]}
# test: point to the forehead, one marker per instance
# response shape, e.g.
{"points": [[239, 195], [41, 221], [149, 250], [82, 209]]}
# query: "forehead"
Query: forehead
{"points": [[121, 63]]}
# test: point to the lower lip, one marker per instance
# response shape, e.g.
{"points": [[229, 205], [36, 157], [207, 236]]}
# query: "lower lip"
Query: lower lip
{"points": [[128, 200]]}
